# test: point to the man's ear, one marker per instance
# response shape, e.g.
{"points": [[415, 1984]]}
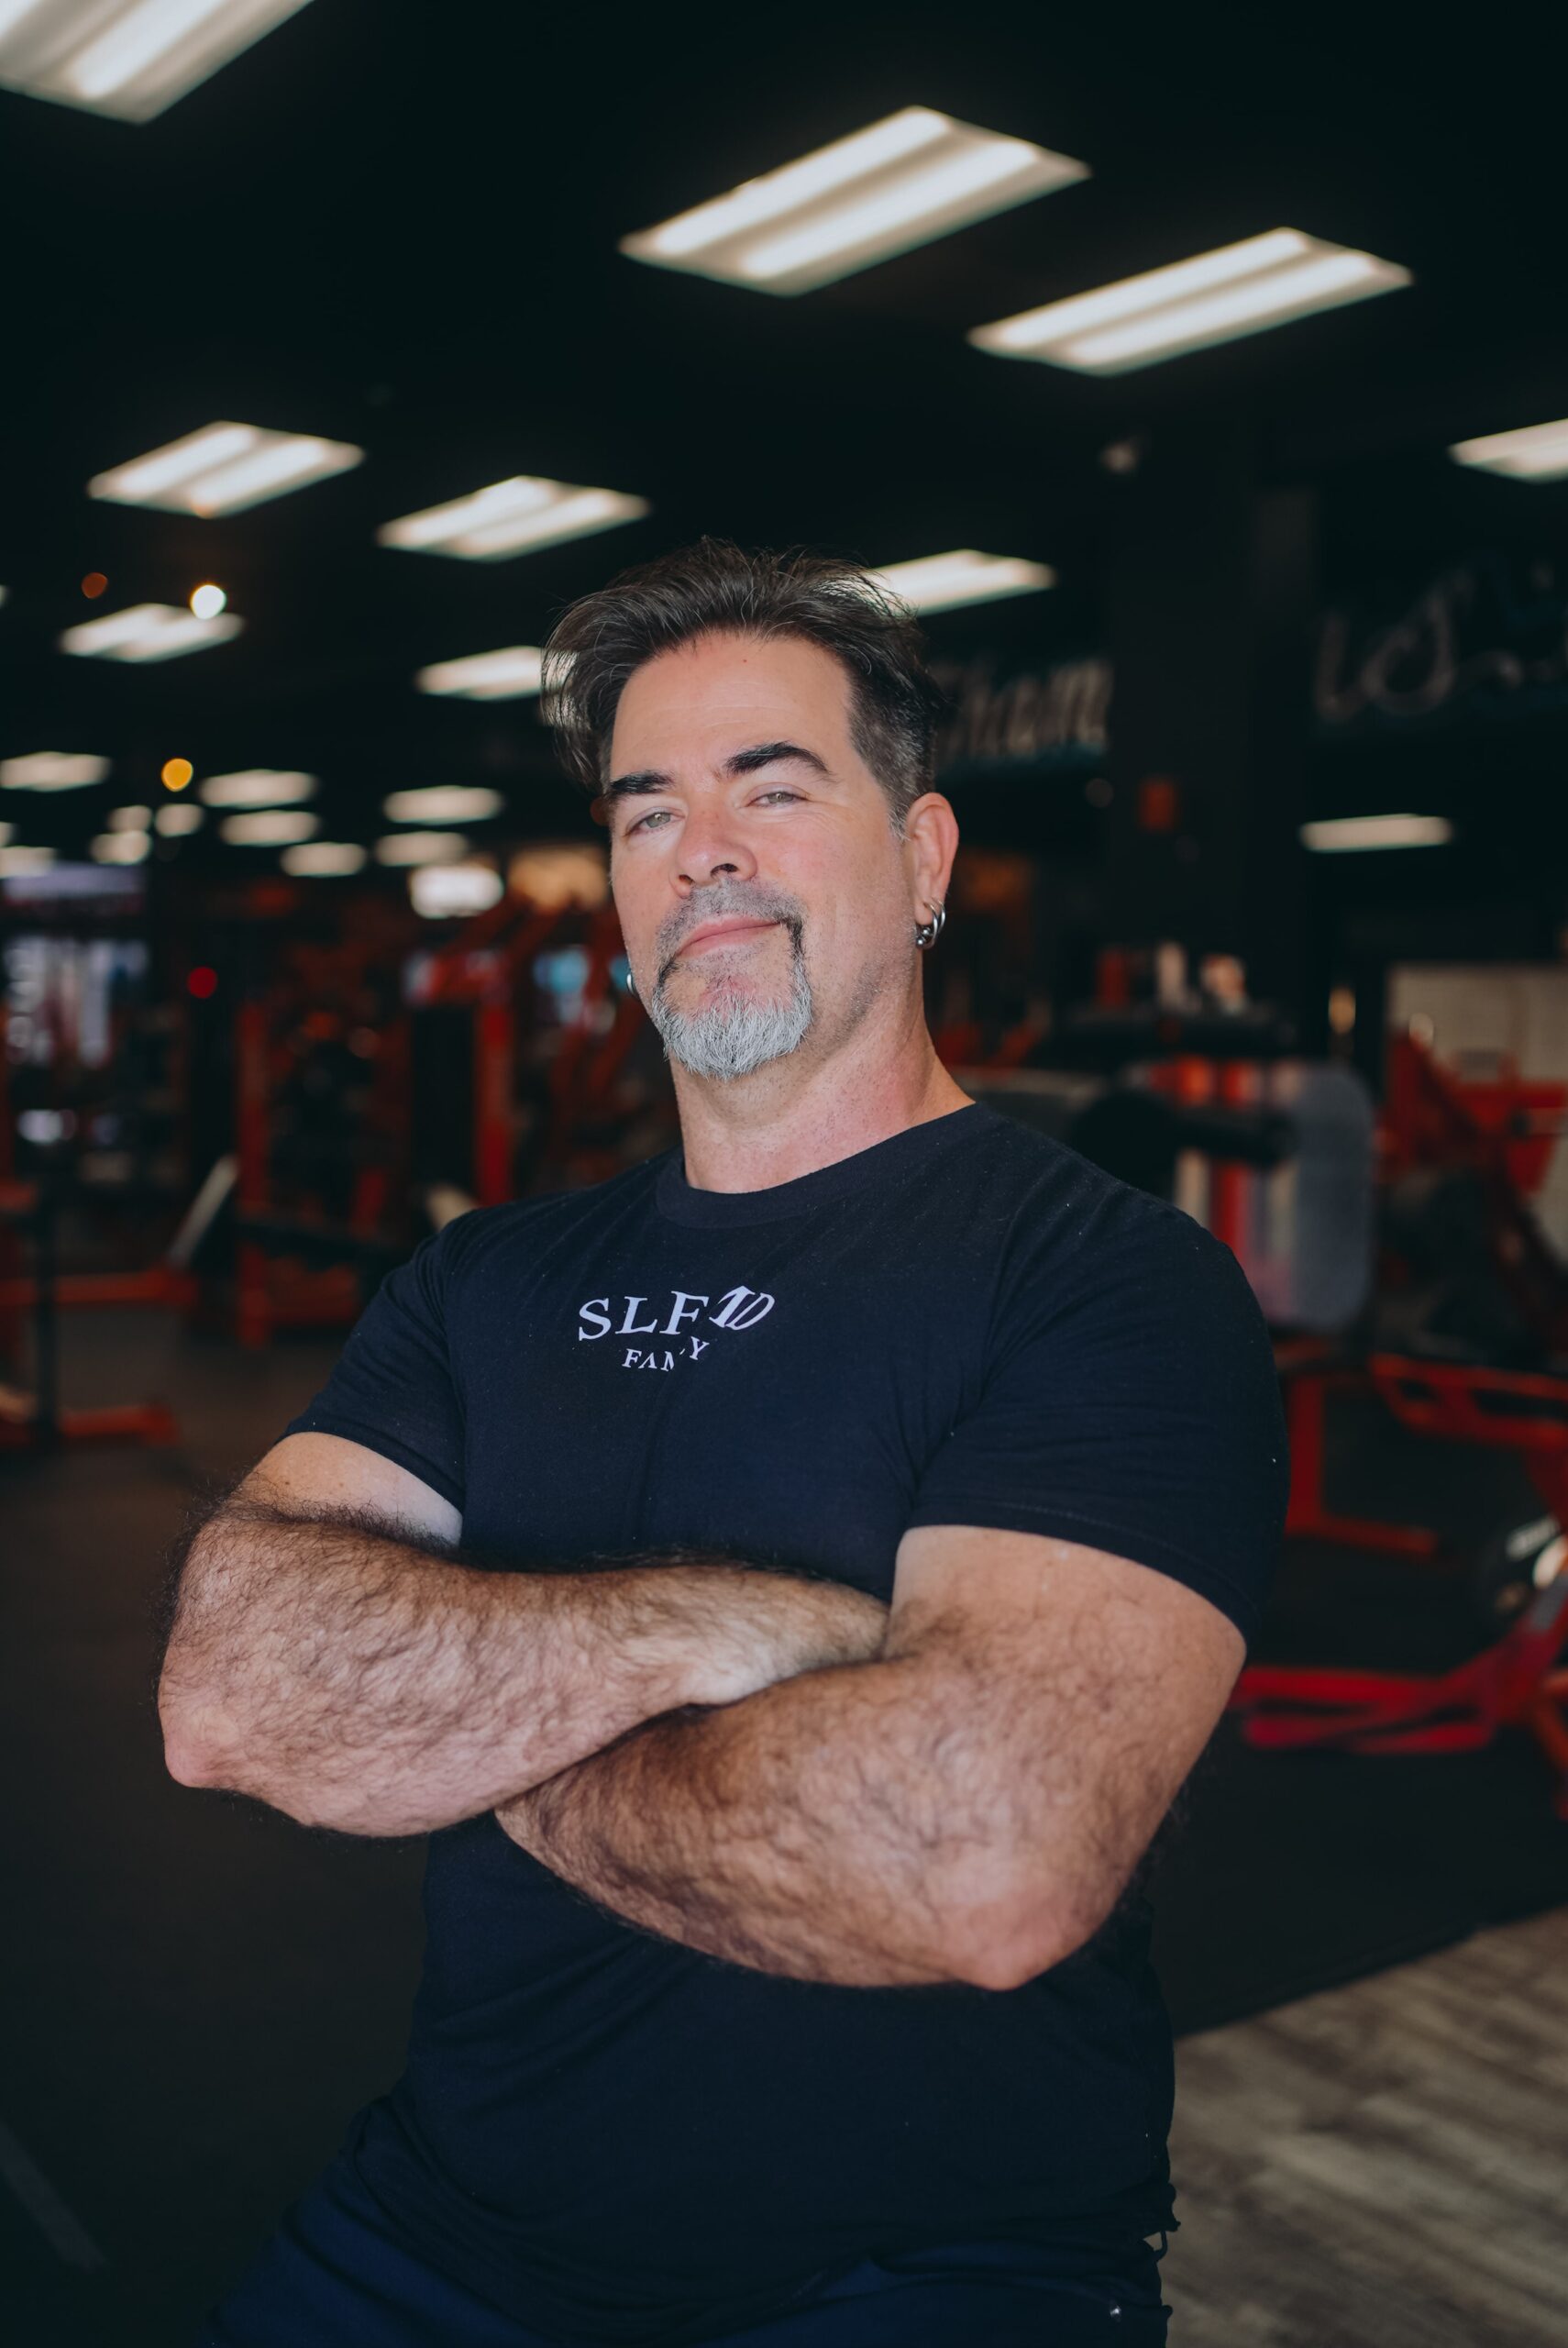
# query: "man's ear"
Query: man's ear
{"points": [[932, 829]]}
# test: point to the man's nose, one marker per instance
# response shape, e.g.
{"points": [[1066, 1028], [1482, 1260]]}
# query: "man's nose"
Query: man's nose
{"points": [[711, 847]]}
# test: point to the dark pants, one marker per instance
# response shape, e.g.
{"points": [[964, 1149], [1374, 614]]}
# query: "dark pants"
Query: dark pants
{"points": [[336, 2275]]}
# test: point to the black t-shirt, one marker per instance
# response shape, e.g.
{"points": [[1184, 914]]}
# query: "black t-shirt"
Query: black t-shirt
{"points": [[616, 2138]]}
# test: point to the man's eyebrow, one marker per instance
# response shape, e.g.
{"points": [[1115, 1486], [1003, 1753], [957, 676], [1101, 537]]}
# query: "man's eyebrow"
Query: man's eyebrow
{"points": [[761, 754], [772, 754], [624, 786]]}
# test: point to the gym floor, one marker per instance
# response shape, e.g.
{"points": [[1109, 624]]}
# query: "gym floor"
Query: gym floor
{"points": [[198, 1993]]}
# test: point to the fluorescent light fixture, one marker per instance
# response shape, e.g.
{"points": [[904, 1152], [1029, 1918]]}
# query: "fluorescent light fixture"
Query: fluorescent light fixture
{"points": [[1535, 452], [129, 819], [1216, 296], [175, 823], [258, 787], [421, 848], [148, 632], [1341, 834], [507, 675], [443, 802], [223, 468], [25, 859], [269, 827], [901, 181], [120, 847], [323, 859], [511, 516], [129, 57], [441, 890], [52, 771], [940, 582]]}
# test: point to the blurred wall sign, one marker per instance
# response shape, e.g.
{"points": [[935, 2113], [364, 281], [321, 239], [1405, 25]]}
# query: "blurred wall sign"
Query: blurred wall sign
{"points": [[1055, 717], [1485, 641]]}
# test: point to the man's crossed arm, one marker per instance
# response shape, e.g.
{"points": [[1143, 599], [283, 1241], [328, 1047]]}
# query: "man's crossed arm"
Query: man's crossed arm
{"points": [[956, 1791], [968, 1805]]}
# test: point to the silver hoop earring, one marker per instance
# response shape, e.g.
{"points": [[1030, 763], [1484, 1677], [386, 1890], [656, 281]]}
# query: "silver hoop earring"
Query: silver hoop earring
{"points": [[927, 932]]}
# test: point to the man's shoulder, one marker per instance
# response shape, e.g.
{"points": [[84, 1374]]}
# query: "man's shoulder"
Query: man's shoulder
{"points": [[1061, 1218]]}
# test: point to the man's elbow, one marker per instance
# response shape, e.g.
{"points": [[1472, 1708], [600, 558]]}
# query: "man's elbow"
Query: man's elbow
{"points": [[1012, 1939], [198, 1738]]}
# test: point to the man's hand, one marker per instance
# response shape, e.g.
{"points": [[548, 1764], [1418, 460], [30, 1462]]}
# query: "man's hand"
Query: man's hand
{"points": [[798, 1626], [792, 1626]]}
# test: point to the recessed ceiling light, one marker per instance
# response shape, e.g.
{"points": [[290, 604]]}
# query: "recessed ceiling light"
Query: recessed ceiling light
{"points": [[1535, 452], [901, 181], [120, 847], [511, 516], [148, 632], [258, 787], [207, 601], [421, 848], [270, 827], [321, 859], [223, 468], [175, 822], [1214, 297], [940, 582], [1339, 834], [441, 890], [507, 675], [52, 771], [443, 802]]}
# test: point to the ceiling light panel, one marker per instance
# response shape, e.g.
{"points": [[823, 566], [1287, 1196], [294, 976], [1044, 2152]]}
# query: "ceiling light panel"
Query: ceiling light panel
{"points": [[508, 675], [52, 771], [120, 847], [148, 632], [269, 827], [129, 57], [444, 803], [901, 181], [940, 582], [1341, 834], [258, 787], [1214, 297], [441, 890], [511, 517], [323, 859], [421, 848], [1535, 452], [223, 468]]}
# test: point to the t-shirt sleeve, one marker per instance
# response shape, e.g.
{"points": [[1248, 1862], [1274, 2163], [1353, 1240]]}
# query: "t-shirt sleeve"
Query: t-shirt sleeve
{"points": [[1130, 1402], [392, 1387]]}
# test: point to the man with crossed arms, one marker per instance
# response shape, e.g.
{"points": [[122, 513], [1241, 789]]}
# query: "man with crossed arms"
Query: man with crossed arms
{"points": [[788, 1582]]}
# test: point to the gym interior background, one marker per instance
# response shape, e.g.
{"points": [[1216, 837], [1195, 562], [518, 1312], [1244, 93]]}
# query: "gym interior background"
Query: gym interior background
{"points": [[346, 345]]}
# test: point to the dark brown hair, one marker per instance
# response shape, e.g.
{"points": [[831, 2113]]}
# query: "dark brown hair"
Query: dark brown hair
{"points": [[717, 588]]}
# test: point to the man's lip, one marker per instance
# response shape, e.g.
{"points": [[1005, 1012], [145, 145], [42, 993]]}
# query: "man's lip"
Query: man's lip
{"points": [[722, 929]]}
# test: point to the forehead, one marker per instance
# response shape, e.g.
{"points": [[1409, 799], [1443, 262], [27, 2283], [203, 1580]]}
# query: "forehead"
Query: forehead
{"points": [[703, 698]]}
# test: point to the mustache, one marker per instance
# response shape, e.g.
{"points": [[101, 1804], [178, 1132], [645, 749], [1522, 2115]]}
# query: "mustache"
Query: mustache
{"points": [[757, 904]]}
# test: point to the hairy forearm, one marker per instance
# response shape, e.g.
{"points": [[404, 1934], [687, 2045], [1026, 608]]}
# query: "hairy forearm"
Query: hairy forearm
{"points": [[833, 1827], [381, 1687]]}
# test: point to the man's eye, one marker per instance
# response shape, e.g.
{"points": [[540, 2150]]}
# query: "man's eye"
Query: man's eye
{"points": [[643, 821], [778, 793]]}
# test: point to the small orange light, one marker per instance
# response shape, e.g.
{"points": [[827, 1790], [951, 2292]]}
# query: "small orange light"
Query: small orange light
{"points": [[94, 583], [177, 773]]}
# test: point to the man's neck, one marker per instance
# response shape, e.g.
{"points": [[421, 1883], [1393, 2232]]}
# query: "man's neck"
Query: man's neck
{"points": [[782, 1123]]}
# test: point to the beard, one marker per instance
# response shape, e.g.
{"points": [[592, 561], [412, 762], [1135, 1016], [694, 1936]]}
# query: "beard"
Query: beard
{"points": [[733, 1035]]}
